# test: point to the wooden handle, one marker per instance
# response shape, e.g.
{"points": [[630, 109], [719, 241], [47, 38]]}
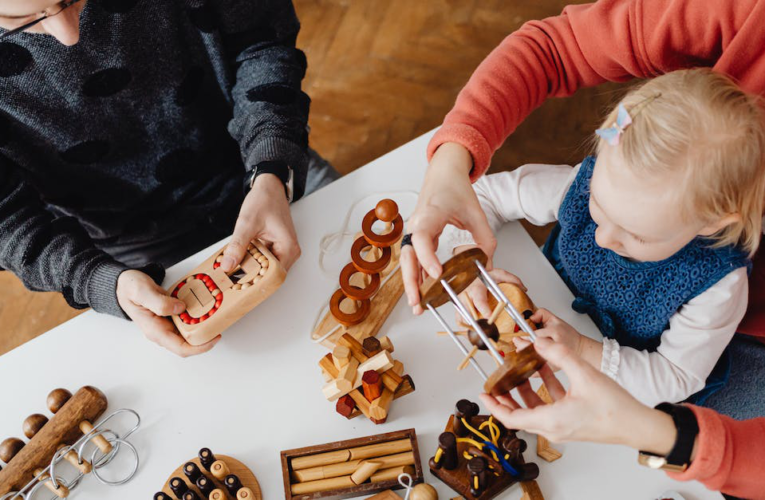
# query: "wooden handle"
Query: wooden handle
{"points": [[100, 441], [87, 404], [74, 460]]}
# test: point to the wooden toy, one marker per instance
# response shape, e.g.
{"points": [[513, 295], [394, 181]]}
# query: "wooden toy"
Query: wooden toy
{"points": [[352, 468], [64, 437], [216, 300], [371, 284], [514, 367], [213, 477], [477, 457], [368, 378]]}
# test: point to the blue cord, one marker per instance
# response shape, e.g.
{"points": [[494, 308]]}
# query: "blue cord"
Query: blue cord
{"points": [[505, 464]]}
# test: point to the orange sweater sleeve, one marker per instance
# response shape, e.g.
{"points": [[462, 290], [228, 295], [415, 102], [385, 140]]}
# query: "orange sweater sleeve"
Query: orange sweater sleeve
{"points": [[610, 40], [730, 455]]}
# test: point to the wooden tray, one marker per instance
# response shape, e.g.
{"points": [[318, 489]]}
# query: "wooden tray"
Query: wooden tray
{"points": [[356, 491]]}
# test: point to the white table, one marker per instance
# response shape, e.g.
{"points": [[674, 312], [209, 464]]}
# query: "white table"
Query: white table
{"points": [[263, 380]]}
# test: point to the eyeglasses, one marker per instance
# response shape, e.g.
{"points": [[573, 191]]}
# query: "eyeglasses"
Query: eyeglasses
{"points": [[43, 16]]}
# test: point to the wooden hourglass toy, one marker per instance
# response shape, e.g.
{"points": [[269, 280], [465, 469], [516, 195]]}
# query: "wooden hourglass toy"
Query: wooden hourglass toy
{"points": [[514, 367]]}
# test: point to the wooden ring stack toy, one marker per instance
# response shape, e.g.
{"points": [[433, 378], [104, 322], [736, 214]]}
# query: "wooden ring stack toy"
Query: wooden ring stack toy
{"points": [[352, 468], [514, 367], [215, 300], [478, 457], [211, 477], [379, 243], [60, 438]]}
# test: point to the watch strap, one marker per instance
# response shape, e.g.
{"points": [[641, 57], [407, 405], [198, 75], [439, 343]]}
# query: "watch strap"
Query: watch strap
{"points": [[278, 168], [687, 430]]}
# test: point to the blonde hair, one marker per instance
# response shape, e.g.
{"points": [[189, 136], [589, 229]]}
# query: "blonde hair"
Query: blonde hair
{"points": [[701, 125]]}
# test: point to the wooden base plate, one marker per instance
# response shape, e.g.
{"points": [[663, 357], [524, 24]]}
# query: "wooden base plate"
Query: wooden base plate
{"points": [[236, 467], [459, 478]]}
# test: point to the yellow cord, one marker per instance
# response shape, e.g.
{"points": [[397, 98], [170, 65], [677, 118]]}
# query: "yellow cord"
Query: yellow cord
{"points": [[479, 434], [475, 482], [471, 441], [439, 452]]}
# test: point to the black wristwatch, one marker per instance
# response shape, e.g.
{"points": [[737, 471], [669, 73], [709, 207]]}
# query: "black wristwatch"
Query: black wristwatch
{"points": [[679, 458], [278, 168]]}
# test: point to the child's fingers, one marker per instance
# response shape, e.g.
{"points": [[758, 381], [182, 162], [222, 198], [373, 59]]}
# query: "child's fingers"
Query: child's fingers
{"points": [[521, 343], [543, 316], [502, 276], [528, 395], [479, 295]]}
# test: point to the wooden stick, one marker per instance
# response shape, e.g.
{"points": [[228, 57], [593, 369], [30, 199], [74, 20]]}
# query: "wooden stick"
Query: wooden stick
{"points": [[496, 312], [61, 492], [392, 473], [381, 406], [465, 361], [381, 449], [545, 451], [391, 380], [349, 467], [462, 333], [336, 483], [330, 457], [531, 491], [365, 471]]}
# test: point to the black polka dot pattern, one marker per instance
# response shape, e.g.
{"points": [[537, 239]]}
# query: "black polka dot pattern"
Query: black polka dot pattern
{"points": [[106, 82], [14, 59], [204, 18], [188, 90], [118, 6], [274, 93], [178, 164], [86, 153]]}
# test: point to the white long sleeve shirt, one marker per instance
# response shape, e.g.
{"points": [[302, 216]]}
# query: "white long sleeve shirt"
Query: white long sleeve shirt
{"points": [[698, 332]]}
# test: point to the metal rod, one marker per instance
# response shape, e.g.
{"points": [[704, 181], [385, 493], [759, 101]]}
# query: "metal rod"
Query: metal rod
{"points": [[466, 315], [511, 310], [458, 342]]}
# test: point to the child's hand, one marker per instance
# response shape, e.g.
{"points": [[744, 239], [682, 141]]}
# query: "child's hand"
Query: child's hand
{"points": [[557, 330], [477, 291], [147, 304]]}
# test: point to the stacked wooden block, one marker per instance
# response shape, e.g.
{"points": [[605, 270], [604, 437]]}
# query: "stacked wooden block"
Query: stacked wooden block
{"points": [[363, 378]]}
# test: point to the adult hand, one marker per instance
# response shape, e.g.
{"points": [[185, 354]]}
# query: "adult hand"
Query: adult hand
{"points": [[148, 304], [595, 408], [265, 215], [447, 197]]}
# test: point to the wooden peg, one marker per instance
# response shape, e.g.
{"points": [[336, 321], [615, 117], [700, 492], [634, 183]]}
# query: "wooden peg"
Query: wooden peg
{"points": [[161, 496], [478, 469], [220, 470], [10, 448], [467, 359], [348, 375], [464, 409], [60, 491], [205, 485], [233, 484], [99, 440], [178, 486], [386, 344], [33, 424], [192, 472], [496, 312], [545, 451], [378, 410], [361, 402], [340, 356], [446, 454], [365, 471], [191, 495], [218, 494], [206, 458], [371, 346], [371, 382], [459, 333], [531, 491], [85, 467], [245, 494]]}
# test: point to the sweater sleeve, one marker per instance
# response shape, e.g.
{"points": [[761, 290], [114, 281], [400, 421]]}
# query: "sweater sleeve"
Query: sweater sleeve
{"points": [[729, 455], [610, 40], [270, 119], [53, 254]]}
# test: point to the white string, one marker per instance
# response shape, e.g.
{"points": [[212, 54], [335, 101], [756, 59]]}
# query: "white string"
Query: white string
{"points": [[407, 485], [331, 242]]}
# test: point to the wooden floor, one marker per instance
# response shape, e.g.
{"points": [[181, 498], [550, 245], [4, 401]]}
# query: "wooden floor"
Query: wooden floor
{"points": [[382, 72]]}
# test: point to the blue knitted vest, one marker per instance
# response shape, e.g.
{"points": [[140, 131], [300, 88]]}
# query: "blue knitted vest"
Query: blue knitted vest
{"points": [[630, 302]]}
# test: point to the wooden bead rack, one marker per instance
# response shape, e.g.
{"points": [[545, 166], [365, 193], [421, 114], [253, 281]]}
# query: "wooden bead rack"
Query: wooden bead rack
{"points": [[227, 479], [68, 436], [352, 468]]}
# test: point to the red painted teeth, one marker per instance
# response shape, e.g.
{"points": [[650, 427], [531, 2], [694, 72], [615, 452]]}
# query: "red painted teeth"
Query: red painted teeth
{"points": [[211, 286]]}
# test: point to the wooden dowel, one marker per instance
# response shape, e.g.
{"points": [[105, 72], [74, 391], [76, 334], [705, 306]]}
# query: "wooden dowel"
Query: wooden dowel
{"points": [[335, 483], [61, 492], [496, 312], [391, 473], [73, 459], [330, 457], [365, 471], [381, 449], [459, 333], [348, 468], [219, 470], [99, 440], [467, 359]]}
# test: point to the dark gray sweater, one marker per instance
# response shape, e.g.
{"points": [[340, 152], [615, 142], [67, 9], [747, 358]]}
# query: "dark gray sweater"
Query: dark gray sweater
{"points": [[140, 133]]}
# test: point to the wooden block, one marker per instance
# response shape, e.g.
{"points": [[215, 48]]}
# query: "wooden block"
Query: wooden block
{"points": [[391, 473], [531, 491], [371, 346], [219, 470], [327, 377], [332, 390], [398, 367], [379, 408], [371, 383], [361, 402], [385, 495], [86, 404], [349, 373], [340, 386], [341, 355], [545, 451], [365, 471], [381, 306], [386, 344], [345, 406]]}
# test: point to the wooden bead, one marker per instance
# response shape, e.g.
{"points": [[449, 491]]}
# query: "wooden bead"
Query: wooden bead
{"points": [[57, 398], [9, 448], [220, 470], [33, 424], [386, 210], [245, 494], [423, 491]]}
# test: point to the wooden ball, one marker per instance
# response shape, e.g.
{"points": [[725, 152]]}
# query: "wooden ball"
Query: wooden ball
{"points": [[386, 210], [58, 398], [9, 448], [423, 491], [33, 424]]}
